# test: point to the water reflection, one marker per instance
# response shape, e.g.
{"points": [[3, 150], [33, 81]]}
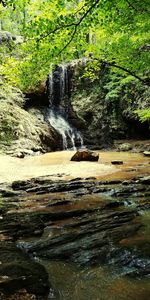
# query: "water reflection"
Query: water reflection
{"points": [[71, 283]]}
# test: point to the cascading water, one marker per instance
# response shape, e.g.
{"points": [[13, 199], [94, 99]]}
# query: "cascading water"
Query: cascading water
{"points": [[58, 90], [62, 126]]}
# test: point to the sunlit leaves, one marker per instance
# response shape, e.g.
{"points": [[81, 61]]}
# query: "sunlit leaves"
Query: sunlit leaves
{"points": [[116, 30], [144, 114]]}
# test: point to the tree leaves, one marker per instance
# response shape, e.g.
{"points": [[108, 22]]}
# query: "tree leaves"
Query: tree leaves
{"points": [[57, 30]]}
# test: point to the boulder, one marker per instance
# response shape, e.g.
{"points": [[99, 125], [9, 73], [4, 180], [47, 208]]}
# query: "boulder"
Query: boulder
{"points": [[85, 155]]}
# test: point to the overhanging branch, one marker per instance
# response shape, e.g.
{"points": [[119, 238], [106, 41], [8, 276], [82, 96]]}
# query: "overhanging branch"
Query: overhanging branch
{"points": [[145, 81], [140, 10], [72, 37], [74, 24]]}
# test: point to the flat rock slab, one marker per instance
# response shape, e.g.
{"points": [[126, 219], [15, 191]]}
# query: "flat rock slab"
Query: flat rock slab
{"points": [[85, 155]]}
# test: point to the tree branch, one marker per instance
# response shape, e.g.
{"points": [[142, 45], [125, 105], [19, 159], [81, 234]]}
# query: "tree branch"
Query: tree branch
{"points": [[78, 24], [146, 81], [88, 11], [3, 2], [75, 24], [68, 43], [55, 30], [79, 9], [131, 5], [125, 70], [135, 8]]}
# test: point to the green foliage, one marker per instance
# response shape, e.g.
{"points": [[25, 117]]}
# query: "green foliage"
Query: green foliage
{"points": [[55, 31], [143, 114]]}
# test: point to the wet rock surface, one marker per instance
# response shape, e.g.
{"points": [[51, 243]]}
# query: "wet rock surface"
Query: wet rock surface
{"points": [[84, 221]]}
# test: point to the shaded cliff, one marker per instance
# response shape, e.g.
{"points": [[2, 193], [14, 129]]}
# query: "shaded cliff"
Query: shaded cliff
{"points": [[105, 107]]}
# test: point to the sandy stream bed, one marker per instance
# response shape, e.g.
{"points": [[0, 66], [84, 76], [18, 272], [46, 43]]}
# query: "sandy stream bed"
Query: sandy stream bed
{"points": [[58, 165]]}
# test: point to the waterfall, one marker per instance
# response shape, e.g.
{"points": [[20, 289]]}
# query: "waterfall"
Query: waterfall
{"points": [[58, 92], [63, 128], [50, 88], [64, 82]]}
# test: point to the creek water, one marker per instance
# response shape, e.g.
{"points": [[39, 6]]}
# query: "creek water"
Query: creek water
{"points": [[96, 283], [69, 281], [100, 282], [58, 165]]}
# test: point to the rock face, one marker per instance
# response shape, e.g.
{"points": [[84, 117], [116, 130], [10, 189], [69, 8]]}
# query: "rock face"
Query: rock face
{"points": [[6, 37], [85, 155], [24, 132], [99, 110], [103, 107]]}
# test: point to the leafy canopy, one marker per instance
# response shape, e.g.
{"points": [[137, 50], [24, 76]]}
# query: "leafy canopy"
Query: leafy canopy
{"points": [[116, 32]]}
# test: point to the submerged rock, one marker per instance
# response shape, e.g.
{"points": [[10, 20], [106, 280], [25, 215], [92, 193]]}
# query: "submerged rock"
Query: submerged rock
{"points": [[85, 155], [89, 240]]}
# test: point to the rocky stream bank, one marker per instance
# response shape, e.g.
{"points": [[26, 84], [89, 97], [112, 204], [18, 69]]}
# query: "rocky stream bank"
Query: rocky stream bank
{"points": [[83, 221]]}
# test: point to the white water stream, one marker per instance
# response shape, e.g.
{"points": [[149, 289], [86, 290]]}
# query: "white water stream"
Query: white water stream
{"points": [[69, 135], [59, 83]]}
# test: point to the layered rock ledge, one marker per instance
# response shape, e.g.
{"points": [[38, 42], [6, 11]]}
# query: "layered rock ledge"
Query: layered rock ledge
{"points": [[83, 221]]}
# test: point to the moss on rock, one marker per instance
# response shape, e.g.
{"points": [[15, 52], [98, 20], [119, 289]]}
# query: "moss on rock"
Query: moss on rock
{"points": [[23, 130]]}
